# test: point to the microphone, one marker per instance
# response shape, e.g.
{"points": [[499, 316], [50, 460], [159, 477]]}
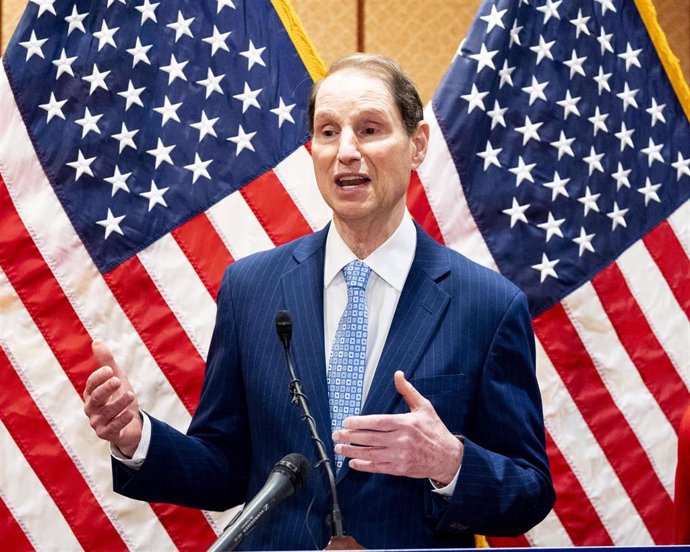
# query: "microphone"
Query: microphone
{"points": [[284, 331], [286, 476]]}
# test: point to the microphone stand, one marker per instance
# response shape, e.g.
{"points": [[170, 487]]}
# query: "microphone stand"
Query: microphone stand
{"points": [[339, 541]]}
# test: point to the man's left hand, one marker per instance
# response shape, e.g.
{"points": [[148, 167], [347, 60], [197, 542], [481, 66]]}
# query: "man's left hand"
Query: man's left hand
{"points": [[415, 444]]}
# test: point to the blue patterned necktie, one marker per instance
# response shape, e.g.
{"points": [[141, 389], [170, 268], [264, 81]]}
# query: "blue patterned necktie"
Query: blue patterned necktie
{"points": [[349, 351]]}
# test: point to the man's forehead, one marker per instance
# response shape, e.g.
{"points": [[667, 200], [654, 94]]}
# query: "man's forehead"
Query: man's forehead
{"points": [[367, 85]]}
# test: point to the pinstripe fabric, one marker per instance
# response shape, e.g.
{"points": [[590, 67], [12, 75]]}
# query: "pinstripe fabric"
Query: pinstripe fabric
{"points": [[461, 334]]}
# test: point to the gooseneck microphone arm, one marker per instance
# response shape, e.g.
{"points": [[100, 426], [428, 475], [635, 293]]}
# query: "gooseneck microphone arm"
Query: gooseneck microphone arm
{"points": [[284, 330]]}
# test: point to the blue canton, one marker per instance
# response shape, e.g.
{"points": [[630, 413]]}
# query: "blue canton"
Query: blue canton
{"points": [[349, 352]]}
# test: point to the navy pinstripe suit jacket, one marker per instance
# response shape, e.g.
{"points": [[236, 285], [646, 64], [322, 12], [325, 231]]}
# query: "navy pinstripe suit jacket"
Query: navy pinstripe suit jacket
{"points": [[462, 335]]}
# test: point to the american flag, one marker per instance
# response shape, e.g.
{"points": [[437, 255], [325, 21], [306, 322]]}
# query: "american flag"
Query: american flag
{"points": [[147, 145]]}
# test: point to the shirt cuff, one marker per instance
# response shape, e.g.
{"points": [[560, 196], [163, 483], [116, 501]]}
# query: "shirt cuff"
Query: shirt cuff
{"points": [[448, 490], [142, 449]]}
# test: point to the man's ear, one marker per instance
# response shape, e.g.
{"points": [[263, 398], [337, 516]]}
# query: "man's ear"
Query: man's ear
{"points": [[420, 142]]}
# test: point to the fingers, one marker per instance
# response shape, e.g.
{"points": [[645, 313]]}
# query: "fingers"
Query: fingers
{"points": [[412, 397], [103, 355]]}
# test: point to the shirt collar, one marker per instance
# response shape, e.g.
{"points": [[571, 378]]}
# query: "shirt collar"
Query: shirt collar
{"points": [[391, 261]]}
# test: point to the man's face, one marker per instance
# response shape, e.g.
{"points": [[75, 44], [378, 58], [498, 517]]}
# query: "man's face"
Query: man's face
{"points": [[362, 155]]}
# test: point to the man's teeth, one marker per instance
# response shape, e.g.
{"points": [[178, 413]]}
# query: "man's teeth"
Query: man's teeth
{"points": [[351, 180]]}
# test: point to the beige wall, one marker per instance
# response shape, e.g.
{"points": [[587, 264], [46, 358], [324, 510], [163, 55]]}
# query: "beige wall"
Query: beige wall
{"points": [[422, 35]]}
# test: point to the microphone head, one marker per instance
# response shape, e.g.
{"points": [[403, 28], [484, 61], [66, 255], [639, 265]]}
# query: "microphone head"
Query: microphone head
{"points": [[294, 466], [284, 326]]}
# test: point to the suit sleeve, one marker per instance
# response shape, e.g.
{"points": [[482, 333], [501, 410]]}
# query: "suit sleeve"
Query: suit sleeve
{"points": [[504, 487]]}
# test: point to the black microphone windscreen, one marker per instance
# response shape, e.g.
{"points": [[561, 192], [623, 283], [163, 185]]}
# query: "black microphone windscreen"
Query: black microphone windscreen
{"points": [[284, 325], [296, 467]]}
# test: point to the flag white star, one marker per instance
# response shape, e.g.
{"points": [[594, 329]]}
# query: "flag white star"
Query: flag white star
{"points": [[605, 41], [529, 131], [64, 64], [599, 121], [584, 241], [484, 58], [110, 2], [631, 57], [253, 55], [225, 3], [199, 168], [505, 74], [589, 201], [82, 165], [546, 267], [148, 11], [175, 70], [54, 108], [515, 34], [494, 19], [557, 186], [649, 192], [564, 146], [606, 5], [621, 177], [284, 112], [44, 6], [552, 227], [475, 99], [181, 26], [111, 224], [522, 172], [594, 161], [168, 111], [516, 212], [543, 49], [126, 137], [569, 105], [536, 90], [656, 111], [34, 46], [96, 79], [89, 123], [162, 153], [118, 181], [490, 156], [131, 95], [617, 217], [106, 36], [76, 21], [212, 83], [205, 126], [217, 41], [550, 9], [602, 80], [682, 166], [625, 136], [243, 140], [628, 97], [580, 23], [575, 64], [248, 97], [155, 196], [653, 152], [497, 115], [139, 53]]}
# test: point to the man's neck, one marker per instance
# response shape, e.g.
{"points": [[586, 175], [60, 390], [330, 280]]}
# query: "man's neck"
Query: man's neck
{"points": [[363, 238]]}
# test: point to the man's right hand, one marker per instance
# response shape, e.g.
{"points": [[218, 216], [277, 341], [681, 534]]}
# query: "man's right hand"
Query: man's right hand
{"points": [[110, 404]]}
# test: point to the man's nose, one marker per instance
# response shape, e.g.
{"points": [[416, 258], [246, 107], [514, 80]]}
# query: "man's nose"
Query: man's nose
{"points": [[348, 147]]}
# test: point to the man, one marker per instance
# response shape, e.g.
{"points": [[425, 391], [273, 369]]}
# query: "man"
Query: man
{"points": [[450, 438]]}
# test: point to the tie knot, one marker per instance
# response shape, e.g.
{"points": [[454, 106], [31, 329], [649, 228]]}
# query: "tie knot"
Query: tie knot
{"points": [[356, 274]]}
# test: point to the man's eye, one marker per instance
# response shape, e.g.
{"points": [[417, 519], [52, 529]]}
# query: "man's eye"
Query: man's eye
{"points": [[370, 130], [327, 133]]}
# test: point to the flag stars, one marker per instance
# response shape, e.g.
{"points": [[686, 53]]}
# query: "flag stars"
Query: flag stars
{"points": [[168, 111], [653, 152], [575, 64], [217, 40], [657, 112], [253, 56], [546, 267], [475, 99], [118, 181], [82, 165], [126, 137], [89, 123], [175, 70], [617, 217], [599, 121], [523, 171], [484, 58], [682, 166], [621, 177], [243, 140], [162, 153], [516, 212], [536, 90], [589, 201], [515, 34], [529, 131], [602, 80], [139, 53], [225, 4], [628, 97], [552, 227], [106, 36], [594, 161], [649, 191], [494, 19], [564, 146], [557, 186], [606, 5], [205, 126], [148, 11], [53, 108], [131, 95], [64, 64], [631, 57], [605, 41], [625, 136], [212, 83], [111, 224], [181, 26], [543, 49], [199, 168], [550, 9], [76, 21], [34, 46], [44, 6], [96, 79], [569, 105], [584, 241], [497, 115], [490, 156], [506, 74], [155, 196], [580, 23], [284, 112], [248, 97]]}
